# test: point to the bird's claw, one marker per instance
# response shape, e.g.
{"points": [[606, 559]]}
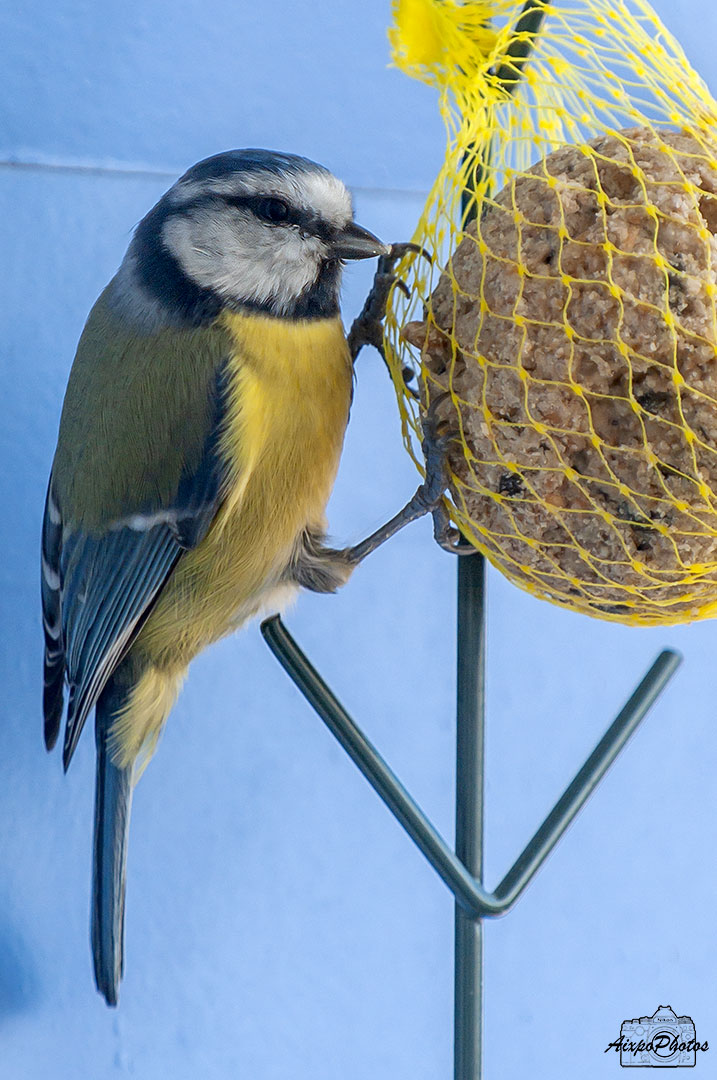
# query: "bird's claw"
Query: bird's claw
{"points": [[397, 252], [437, 438], [447, 536]]}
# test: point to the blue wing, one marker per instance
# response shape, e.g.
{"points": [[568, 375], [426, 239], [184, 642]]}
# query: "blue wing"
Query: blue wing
{"points": [[97, 589]]}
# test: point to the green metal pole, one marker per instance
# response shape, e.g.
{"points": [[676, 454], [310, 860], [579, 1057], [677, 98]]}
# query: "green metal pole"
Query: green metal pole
{"points": [[470, 727]]}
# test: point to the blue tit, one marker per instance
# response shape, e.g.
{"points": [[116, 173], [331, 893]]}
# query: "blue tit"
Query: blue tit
{"points": [[199, 441]]}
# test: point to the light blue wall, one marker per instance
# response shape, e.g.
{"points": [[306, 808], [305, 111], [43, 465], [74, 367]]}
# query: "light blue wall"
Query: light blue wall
{"points": [[279, 923]]}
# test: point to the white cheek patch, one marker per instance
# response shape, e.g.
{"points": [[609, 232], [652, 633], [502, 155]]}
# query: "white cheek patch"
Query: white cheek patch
{"points": [[239, 258], [225, 248]]}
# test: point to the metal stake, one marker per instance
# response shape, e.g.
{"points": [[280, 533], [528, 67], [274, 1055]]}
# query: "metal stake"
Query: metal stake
{"points": [[470, 727]]}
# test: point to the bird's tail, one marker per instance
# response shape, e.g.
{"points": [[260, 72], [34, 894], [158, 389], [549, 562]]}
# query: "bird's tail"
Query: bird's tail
{"points": [[113, 797]]}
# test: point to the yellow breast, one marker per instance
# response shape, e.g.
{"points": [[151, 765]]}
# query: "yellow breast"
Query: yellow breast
{"points": [[288, 398], [288, 402]]}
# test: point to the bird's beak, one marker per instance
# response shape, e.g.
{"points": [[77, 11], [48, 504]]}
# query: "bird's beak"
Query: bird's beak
{"points": [[353, 242]]}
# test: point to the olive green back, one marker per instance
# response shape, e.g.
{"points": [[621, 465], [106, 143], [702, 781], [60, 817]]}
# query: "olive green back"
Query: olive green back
{"points": [[137, 412]]}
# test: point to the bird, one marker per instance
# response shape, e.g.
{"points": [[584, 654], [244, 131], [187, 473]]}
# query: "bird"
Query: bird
{"points": [[198, 444]]}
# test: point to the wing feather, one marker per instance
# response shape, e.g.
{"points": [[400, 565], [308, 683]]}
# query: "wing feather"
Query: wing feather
{"points": [[98, 587], [135, 568], [54, 665]]}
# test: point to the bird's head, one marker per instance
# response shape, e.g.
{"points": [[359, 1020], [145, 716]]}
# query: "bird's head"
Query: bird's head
{"points": [[244, 229]]}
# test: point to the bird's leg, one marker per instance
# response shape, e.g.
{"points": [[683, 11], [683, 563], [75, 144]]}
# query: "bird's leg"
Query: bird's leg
{"points": [[367, 327], [428, 499]]}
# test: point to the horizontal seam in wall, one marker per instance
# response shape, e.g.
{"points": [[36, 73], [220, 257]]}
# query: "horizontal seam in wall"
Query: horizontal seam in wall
{"points": [[163, 174]]}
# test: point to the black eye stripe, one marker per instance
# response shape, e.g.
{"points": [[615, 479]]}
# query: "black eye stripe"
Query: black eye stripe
{"points": [[306, 220], [269, 208], [309, 222], [274, 210]]}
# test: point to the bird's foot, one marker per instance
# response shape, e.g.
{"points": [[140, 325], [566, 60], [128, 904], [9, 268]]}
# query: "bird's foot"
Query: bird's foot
{"points": [[437, 438], [428, 498]]}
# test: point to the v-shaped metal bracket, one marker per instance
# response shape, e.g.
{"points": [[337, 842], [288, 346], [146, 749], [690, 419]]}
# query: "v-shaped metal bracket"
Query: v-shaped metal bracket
{"points": [[462, 870]]}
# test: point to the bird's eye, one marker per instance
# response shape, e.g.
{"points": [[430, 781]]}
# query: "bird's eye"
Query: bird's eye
{"points": [[274, 211]]}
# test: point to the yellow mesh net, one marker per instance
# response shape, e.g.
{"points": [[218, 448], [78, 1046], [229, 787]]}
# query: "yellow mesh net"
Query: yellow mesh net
{"points": [[567, 327]]}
